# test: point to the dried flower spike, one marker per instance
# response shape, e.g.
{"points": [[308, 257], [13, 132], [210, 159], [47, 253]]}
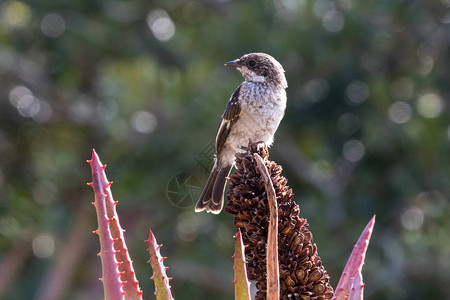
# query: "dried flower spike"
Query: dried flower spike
{"points": [[302, 275]]}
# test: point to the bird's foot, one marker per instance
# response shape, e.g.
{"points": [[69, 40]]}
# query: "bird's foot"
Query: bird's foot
{"points": [[260, 145]]}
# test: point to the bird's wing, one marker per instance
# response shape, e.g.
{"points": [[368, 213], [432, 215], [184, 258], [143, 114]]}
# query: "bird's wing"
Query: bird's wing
{"points": [[229, 117]]}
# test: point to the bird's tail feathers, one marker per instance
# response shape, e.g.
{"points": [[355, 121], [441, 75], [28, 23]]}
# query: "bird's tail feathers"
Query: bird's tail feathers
{"points": [[211, 198]]}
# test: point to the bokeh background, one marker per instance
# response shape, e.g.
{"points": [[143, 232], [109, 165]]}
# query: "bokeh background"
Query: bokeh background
{"points": [[366, 132]]}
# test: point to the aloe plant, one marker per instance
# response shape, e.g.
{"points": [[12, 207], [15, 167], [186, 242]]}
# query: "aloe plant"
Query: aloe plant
{"points": [[260, 178]]}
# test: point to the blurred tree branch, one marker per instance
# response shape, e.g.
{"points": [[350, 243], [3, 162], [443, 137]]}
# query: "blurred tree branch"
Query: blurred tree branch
{"points": [[58, 278]]}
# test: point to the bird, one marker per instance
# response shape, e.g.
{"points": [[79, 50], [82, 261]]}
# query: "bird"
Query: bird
{"points": [[253, 112]]}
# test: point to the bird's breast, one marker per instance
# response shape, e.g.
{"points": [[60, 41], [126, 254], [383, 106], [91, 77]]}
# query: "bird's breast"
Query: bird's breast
{"points": [[262, 109]]}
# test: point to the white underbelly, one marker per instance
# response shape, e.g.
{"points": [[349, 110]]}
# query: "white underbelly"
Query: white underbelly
{"points": [[257, 125]]}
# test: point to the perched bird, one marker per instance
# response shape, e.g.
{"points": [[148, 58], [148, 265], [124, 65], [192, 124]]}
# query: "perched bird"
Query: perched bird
{"points": [[253, 112]]}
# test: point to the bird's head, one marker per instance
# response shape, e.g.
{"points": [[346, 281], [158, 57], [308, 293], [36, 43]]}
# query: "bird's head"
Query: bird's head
{"points": [[260, 68]]}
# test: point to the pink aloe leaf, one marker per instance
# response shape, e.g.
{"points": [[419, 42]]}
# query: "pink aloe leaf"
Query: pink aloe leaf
{"points": [[112, 285], [162, 287], [128, 276], [357, 290], [354, 263], [242, 286], [131, 284]]}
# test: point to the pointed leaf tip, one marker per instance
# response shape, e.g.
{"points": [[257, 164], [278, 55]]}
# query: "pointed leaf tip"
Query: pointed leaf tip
{"points": [[355, 262], [95, 159]]}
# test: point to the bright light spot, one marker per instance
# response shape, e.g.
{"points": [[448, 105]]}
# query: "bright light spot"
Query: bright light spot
{"points": [[322, 7], [315, 90], [333, 21], [43, 246], [412, 218], [161, 25], [28, 106], [353, 150], [18, 92], [15, 14], [357, 92], [53, 25], [143, 122], [400, 112], [430, 105], [348, 123], [44, 114]]}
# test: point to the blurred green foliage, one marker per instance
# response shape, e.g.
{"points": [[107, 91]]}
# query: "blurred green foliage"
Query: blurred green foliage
{"points": [[366, 132]]}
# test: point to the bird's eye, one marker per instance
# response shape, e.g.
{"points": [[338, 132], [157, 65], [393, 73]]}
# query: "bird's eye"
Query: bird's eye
{"points": [[251, 63]]}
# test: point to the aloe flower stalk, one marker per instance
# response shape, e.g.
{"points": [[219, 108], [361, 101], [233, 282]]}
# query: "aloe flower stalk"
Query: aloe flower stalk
{"points": [[354, 263], [302, 275], [111, 235], [162, 287], [241, 284]]}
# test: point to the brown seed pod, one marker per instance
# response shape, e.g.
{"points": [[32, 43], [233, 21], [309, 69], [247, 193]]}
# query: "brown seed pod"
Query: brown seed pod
{"points": [[302, 275]]}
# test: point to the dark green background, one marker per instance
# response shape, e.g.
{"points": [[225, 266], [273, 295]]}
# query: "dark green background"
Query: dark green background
{"points": [[366, 132]]}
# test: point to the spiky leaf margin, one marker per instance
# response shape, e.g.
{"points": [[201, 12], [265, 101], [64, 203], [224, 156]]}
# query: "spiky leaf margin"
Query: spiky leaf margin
{"points": [[162, 287]]}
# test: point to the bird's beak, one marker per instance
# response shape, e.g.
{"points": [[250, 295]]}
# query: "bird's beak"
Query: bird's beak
{"points": [[233, 63]]}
